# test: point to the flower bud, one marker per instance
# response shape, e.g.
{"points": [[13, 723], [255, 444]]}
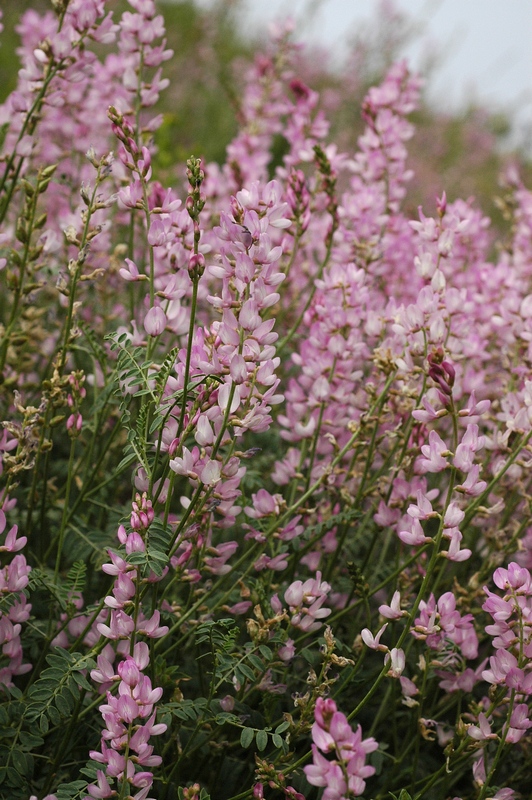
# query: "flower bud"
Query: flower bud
{"points": [[196, 266]]}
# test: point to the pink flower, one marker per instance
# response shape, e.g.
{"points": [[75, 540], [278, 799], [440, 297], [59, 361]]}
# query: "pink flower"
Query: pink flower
{"points": [[157, 233], [102, 788], [373, 642], [132, 272], [305, 601], [435, 454], [155, 321], [396, 660], [393, 611], [331, 733], [483, 730]]}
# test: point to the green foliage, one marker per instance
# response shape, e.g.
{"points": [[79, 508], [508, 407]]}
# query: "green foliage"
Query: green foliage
{"points": [[54, 695], [93, 343], [60, 591], [76, 578], [71, 791], [219, 634], [263, 736]]}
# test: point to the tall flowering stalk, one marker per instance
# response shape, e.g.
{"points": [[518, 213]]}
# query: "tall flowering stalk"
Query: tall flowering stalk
{"points": [[128, 714], [344, 775]]}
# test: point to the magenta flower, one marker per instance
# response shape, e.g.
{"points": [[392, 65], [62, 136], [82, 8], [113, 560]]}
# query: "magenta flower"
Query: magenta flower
{"points": [[155, 321], [435, 454], [305, 601], [331, 733]]}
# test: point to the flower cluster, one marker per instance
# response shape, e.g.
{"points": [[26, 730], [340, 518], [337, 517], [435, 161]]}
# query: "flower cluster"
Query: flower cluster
{"points": [[129, 714], [511, 665], [14, 578], [129, 719], [305, 601], [344, 775]]}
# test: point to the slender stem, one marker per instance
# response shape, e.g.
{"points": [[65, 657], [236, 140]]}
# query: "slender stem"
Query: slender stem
{"points": [[426, 582], [190, 342], [29, 215], [310, 296], [61, 534]]}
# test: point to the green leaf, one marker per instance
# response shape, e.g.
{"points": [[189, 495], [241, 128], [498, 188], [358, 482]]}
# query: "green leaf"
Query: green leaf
{"points": [[38, 693], [376, 760], [158, 555], [136, 557], [19, 761], [256, 662], [157, 568], [57, 661], [3, 131], [246, 737], [282, 727], [262, 740], [83, 682], [53, 674], [225, 716], [32, 712], [67, 791], [72, 686], [166, 369], [14, 779], [90, 770], [277, 740], [308, 655], [30, 740], [246, 671], [64, 703], [45, 683], [70, 658], [55, 716]]}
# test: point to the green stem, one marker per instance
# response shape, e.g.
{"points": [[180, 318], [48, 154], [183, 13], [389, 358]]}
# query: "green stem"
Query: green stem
{"points": [[64, 517], [426, 582], [193, 304], [29, 215], [310, 296]]}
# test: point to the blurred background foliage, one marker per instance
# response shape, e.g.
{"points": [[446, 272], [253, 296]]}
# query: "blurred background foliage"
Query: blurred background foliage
{"points": [[463, 152]]}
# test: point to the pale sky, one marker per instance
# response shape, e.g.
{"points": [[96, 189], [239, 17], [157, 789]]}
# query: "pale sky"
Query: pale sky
{"points": [[485, 45]]}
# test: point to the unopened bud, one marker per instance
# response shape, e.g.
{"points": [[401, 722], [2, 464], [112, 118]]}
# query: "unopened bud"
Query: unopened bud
{"points": [[196, 266], [91, 155]]}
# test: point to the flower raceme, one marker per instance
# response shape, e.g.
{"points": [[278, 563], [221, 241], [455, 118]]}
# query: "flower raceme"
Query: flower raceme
{"points": [[512, 636], [305, 601], [344, 775], [129, 714]]}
